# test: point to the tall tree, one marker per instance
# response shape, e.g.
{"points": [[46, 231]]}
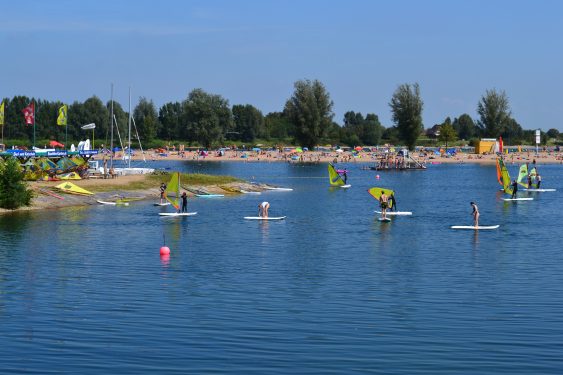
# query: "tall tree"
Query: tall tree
{"points": [[310, 110], [406, 107], [512, 132], [169, 117], [146, 119], [465, 127], [207, 117], [248, 122], [277, 125], [494, 112], [447, 133], [372, 130]]}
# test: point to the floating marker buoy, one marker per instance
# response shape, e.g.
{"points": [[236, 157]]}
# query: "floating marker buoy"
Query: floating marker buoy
{"points": [[164, 250], [377, 177]]}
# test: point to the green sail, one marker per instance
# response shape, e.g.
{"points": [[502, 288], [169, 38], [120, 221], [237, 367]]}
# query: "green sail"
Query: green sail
{"points": [[173, 190], [506, 182], [334, 177], [376, 193], [523, 175]]}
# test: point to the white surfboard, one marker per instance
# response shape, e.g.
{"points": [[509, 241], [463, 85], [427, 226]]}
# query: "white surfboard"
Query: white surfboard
{"points": [[396, 213], [384, 220], [539, 190], [471, 227], [173, 214], [277, 188], [113, 203], [162, 204], [346, 186], [517, 199], [250, 192], [264, 218], [209, 195]]}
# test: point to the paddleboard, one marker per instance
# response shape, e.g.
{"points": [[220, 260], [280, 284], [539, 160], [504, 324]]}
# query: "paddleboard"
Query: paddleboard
{"points": [[209, 195], [396, 213], [177, 213], [162, 204], [539, 190], [277, 188], [250, 192], [345, 186], [113, 203], [480, 227], [384, 220], [264, 218], [517, 199]]}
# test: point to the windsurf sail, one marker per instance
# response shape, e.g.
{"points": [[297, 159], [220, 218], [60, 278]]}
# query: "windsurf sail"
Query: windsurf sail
{"points": [[523, 175], [505, 178], [534, 177], [69, 187], [499, 175], [172, 192], [377, 191], [333, 176]]}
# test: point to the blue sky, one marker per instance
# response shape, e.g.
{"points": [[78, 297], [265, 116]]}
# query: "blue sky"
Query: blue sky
{"points": [[252, 51]]}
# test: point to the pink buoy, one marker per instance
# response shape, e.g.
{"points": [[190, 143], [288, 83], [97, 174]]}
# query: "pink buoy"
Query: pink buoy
{"points": [[164, 250], [377, 177]]}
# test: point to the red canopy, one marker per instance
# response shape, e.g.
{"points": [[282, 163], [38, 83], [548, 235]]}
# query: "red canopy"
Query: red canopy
{"points": [[55, 144]]}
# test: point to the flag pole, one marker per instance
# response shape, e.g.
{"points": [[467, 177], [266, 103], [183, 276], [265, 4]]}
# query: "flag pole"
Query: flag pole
{"points": [[34, 121]]}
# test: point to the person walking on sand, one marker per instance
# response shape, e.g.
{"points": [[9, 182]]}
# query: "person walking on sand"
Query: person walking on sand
{"points": [[263, 209], [384, 202], [162, 192], [184, 197], [475, 214]]}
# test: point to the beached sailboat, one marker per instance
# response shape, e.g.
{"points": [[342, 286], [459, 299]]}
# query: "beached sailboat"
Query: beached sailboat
{"points": [[172, 195], [335, 179]]}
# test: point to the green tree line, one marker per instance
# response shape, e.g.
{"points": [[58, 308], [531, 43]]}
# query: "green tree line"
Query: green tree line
{"points": [[307, 119]]}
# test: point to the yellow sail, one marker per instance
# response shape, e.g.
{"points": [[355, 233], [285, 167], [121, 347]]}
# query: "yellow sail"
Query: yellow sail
{"points": [[506, 182], [173, 190], [69, 187], [377, 191], [334, 177]]}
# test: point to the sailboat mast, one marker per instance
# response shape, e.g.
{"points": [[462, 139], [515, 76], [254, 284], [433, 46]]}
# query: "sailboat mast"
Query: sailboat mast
{"points": [[111, 138], [129, 125]]}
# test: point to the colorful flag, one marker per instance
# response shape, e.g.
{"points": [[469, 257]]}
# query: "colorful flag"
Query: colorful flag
{"points": [[29, 114], [2, 113], [62, 119]]}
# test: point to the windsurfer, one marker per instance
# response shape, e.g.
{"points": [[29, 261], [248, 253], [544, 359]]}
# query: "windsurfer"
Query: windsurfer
{"points": [[475, 214], [263, 209], [538, 181], [345, 175], [184, 202], [162, 192], [514, 189], [384, 201], [393, 202], [529, 181]]}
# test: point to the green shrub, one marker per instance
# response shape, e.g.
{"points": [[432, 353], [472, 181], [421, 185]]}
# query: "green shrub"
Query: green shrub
{"points": [[13, 190]]}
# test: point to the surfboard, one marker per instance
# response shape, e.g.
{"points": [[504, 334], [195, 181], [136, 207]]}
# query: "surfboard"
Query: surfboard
{"points": [[113, 203], [162, 204], [384, 220], [172, 214], [264, 218], [471, 227], [250, 192], [396, 213], [209, 195], [517, 199], [539, 190], [277, 188]]}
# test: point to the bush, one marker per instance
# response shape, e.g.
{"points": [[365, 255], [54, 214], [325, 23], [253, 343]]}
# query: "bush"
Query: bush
{"points": [[13, 190]]}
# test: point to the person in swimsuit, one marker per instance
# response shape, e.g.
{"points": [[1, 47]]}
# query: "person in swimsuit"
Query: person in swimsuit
{"points": [[384, 201], [475, 214], [263, 209], [184, 202], [538, 179], [393, 202], [514, 189], [162, 192]]}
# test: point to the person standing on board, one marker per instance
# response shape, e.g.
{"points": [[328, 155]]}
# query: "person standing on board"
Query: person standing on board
{"points": [[393, 202], [514, 189], [538, 180], [384, 201], [184, 197], [162, 192], [475, 214], [263, 209]]}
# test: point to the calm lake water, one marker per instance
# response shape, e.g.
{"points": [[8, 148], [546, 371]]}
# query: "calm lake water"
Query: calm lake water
{"points": [[329, 290]]}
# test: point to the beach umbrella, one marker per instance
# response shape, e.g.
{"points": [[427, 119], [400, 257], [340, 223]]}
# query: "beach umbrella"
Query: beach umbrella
{"points": [[339, 150], [358, 148], [56, 144], [298, 149]]}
